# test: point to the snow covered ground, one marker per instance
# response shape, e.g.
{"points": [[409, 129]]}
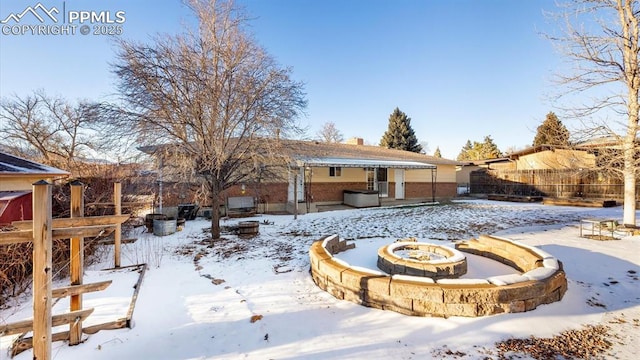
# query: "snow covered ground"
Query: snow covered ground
{"points": [[198, 298]]}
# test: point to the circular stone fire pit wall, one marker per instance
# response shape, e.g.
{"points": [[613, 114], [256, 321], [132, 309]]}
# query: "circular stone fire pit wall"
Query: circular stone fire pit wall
{"points": [[450, 264], [542, 281]]}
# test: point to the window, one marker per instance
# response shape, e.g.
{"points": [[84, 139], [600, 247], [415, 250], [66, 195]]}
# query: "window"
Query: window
{"points": [[335, 171]]}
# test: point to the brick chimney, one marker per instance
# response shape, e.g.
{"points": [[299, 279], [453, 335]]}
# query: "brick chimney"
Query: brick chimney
{"points": [[355, 141]]}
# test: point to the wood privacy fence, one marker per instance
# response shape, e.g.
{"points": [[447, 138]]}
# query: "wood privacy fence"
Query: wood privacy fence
{"points": [[42, 230], [552, 183]]}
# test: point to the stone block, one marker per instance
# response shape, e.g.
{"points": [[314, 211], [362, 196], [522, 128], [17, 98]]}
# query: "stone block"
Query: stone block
{"points": [[400, 305], [467, 310], [331, 269], [415, 270], [531, 304], [403, 288], [377, 284], [353, 295], [520, 291], [376, 300], [471, 294], [555, 281], [355, 280], [423, 307], [319, 280], [490, 309], [335, 290]]}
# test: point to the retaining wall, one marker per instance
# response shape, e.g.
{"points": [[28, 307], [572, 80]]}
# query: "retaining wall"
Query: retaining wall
{"points": [[542, 282]]}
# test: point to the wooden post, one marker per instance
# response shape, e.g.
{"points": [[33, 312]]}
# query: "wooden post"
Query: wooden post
{"points": [[295, 194], [117, 202], [42, 245], [76, 265]]}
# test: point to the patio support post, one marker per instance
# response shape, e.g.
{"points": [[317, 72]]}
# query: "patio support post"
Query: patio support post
{"points": [[42, 247], [117, 201], [76, 265]]}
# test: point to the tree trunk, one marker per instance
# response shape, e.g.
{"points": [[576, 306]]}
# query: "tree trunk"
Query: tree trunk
{"points": [[629, 149], [215, 210]]}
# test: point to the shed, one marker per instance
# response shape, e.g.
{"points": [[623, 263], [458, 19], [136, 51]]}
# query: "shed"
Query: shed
{"points": [[15, 206], [17, 176]]}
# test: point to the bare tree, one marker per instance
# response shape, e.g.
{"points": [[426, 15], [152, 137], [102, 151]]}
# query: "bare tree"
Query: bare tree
{"points": [[212, 96], [602, 43], [330, 133], [51, 130]]}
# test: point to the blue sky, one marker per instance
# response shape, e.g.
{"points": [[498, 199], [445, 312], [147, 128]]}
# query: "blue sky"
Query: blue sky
{"points": [[460, 70]]}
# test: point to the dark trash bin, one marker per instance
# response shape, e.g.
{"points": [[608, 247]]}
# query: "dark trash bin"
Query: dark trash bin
{"points": [[187, 211]]}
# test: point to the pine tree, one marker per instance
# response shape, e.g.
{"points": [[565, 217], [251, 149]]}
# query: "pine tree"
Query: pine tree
{"points": [[551, 132], [437, 152], [399, 134], [479, 150], [489, 149], [465, 152]]}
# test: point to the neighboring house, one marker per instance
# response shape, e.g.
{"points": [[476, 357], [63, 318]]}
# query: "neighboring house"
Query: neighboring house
{"points": [[552, 157], [17, 176], [464, 170], [549, 170], [321, 173]]}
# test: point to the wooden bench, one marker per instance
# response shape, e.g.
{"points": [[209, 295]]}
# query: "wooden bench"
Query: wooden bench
{"points": [[241, 206]]}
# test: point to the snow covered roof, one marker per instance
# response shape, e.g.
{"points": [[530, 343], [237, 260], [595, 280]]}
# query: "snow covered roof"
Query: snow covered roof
{"points": [[347, 162], [14, 166], [10, 195]]}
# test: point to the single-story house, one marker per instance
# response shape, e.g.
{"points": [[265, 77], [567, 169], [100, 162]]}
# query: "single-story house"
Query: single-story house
{"points": [[17, 176], [322, 174], [553, 157]]}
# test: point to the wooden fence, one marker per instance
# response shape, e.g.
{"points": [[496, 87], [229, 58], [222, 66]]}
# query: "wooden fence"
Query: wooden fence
{"points": [[42, 230], [589, 184]]}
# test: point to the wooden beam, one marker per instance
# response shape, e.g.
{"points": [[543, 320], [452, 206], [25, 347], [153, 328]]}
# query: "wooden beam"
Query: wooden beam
{"points": [[26, 343], [56, 320], [107, 220], [84, 231], [23, 236], [15, 237], [76, 261], [111, 325], [135, 295], [124, 204], [79, 289], [112, 242]]}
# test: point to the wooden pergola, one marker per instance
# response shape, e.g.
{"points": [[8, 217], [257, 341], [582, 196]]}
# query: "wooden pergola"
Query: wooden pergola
{"points": [[41, 231]]}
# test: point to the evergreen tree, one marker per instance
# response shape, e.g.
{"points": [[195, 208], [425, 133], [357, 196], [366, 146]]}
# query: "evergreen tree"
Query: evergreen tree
{"points": [[551, 132], [437, 152], [489, 149], [479, 150], [399, 134], [465, 152]]}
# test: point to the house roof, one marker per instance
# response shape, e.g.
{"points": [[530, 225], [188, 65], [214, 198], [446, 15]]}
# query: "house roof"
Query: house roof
{"points": [[540, 148], [484, 161], [349, 155], [338, 154], [342, 162], [14, 166]]}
